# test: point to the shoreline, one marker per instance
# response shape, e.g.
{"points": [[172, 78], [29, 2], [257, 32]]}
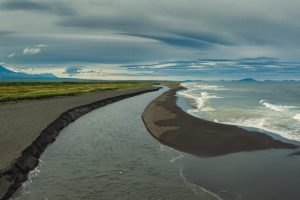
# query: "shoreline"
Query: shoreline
{"points": [[273, 133], [170, 125], [13, 175]]}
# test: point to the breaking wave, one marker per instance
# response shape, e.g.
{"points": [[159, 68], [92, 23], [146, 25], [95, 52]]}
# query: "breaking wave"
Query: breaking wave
{"points": [[237, 107], [200, 100], [296, 117], [196, 86], [278, 108]]}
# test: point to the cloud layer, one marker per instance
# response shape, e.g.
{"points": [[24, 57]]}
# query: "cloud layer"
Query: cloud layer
{"points": [[121, 32], [31, 51], [54, 7], [260, 68]]}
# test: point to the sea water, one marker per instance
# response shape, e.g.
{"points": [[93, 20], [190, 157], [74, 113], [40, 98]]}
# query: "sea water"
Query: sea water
{"points": [[269, 106]]}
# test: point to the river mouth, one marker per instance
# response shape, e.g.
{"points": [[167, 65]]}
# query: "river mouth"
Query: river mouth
{"points": [[109, 154]]}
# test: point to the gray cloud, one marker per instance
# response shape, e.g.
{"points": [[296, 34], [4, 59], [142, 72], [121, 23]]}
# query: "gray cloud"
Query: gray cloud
{"points": [[142, 31], [206, 37], [4, 33], [109, 22], [73, 70], [177, 41], [261, 68], [54, 7]]}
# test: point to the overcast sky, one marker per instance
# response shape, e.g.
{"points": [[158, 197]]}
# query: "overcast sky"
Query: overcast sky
{"points": [[91, 38]]}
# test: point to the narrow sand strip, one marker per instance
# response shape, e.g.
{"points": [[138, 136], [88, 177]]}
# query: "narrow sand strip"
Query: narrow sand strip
{"points": [[172, 126]]}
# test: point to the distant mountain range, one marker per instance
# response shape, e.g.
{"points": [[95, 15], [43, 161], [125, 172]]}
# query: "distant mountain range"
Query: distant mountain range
{"points": [[6, 74], [247, 80], [241, 80], [244, 80]]}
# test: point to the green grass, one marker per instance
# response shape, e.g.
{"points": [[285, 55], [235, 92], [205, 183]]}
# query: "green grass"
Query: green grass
{"points": [[36, 90]]}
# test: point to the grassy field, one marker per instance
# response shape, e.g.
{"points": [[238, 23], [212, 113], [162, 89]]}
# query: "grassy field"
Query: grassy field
{"points": [[35, 90]]}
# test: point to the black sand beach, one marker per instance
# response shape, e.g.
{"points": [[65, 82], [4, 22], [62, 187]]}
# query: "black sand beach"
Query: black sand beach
{"points": [[172, 126], [28, 127]]}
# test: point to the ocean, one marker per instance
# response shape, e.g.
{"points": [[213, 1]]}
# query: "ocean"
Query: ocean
{"points": [[267, 106]]}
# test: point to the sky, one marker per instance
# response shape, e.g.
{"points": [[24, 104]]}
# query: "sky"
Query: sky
{"points": [[158, 39]]}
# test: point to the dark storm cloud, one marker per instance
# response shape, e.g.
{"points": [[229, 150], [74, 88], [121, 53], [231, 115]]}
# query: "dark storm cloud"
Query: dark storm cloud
{"points": [[54, 7], [204, 37], [176, 41]]}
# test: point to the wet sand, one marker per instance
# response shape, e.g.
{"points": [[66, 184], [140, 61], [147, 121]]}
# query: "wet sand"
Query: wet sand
{"points": [[26, 129], [172, 126]]}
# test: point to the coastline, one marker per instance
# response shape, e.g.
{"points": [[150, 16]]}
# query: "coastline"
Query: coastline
{"points": [[18, 163], [169, 124]]}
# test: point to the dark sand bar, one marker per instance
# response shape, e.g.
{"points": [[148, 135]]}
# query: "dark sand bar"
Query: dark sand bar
{"points": [[172, 126], [28, 127]]}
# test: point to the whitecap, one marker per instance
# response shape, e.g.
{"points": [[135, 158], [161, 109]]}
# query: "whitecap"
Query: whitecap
{"points": [[208, 109], [296, 117], [265, 125], [200, 100], [196, 86], [253, 122], [275, 118], [278, 108]]}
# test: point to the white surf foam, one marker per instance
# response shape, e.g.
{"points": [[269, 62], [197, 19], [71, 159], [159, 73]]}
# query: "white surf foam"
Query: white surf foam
{"points": [[26, 184], [200, 99], [196, 86], [176, 158], [194, 112], [261, 123], [203, 98], [208, 109], [264, 125], [278, 108], [296, 117], [275, 118]]}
